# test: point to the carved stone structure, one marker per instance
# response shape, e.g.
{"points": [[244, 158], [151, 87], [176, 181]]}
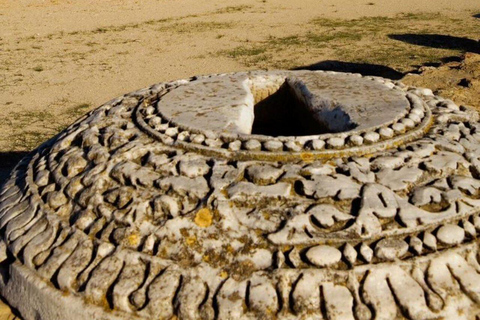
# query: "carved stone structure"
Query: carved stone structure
{"points": [[263, 195]]}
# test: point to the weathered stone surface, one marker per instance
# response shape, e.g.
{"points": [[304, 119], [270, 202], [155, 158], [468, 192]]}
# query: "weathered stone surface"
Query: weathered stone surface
{"points": [[257, 195], [323, 256], [391, 249], [341, 100], [450, 234], [229, 106]]}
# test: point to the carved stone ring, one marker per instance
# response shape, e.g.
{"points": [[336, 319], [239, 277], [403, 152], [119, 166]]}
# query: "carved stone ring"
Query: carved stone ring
{"points": [[255, 195]]}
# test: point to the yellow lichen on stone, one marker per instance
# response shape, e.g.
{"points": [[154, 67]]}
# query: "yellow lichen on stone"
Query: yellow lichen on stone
{"points": [[133, 240], [307, 157], [191, 240], [6, 312], [230, 249], [204, 218]]}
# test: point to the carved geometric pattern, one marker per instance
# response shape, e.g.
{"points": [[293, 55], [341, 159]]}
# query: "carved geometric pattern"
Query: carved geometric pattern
{"points": [[127, 214]]}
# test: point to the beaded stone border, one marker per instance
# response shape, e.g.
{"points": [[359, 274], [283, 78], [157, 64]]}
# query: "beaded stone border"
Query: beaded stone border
{"points": [[413, 125]]}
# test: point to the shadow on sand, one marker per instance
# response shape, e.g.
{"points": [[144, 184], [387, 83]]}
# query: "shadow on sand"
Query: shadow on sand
{"points": [[8, 160], [439, 41], [365, 69]]}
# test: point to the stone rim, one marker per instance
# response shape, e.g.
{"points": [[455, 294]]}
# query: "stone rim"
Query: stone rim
{"points": [[294, 148]]}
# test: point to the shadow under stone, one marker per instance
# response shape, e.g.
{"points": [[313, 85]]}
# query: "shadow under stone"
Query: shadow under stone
{"points": [[283, 113], [8, 161]]}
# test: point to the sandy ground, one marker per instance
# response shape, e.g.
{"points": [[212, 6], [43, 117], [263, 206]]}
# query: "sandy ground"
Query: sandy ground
{"points": [[60, 58]]}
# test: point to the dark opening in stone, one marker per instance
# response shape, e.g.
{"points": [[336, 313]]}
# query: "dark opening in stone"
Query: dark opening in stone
{"points": [[285, 112]]}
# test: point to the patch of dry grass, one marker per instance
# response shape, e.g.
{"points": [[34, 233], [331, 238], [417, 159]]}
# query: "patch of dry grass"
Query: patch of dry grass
{"points": [[194, 27], [31, 129], [364, 40]]}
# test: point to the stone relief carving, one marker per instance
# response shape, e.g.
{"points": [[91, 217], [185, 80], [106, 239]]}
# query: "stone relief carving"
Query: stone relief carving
{"points": [[172, 202]]}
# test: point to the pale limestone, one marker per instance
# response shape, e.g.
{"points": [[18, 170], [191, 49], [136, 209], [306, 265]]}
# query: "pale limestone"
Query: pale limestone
{"points": [[173, 203]]}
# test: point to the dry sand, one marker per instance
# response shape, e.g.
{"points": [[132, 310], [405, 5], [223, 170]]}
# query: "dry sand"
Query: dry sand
{"points": [[60, 58]]}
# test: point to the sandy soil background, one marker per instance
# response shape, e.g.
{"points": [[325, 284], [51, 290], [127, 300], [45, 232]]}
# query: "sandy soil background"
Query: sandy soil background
{"points": [[61, 58]]}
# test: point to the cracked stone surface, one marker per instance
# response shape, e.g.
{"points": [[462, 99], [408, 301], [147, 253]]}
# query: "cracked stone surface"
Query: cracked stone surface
{"points": [[192, 200]]}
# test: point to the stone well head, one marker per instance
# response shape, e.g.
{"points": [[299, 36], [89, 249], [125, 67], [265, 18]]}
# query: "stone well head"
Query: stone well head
{"points": [[258, 195]]}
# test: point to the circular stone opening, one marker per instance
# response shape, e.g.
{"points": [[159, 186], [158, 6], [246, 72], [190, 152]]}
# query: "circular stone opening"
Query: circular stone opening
{"points": [[282, 103]]}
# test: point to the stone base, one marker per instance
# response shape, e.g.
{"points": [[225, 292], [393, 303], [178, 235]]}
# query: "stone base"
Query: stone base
{"points": [[37, 300]]}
